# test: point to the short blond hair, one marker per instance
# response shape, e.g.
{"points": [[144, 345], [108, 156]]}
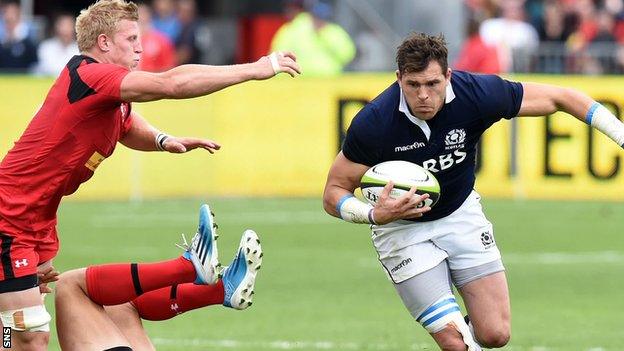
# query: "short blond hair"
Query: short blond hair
{"points": [[102, 18]]}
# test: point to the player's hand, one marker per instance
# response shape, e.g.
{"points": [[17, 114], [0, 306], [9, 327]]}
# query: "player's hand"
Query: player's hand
{"points": [[408, 205], [180, 145], [46, 275], [276, 62]]}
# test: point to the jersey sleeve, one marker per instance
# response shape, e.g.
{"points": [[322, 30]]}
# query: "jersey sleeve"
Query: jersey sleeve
{"points": [[362, 142], [497, 98], [104, 78]]}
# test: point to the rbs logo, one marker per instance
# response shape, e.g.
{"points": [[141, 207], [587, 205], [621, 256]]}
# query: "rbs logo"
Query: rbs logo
{"points": [[445, 161]]}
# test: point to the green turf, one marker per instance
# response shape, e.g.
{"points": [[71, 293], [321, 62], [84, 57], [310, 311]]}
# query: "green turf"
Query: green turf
{"points": [[321, 287]]}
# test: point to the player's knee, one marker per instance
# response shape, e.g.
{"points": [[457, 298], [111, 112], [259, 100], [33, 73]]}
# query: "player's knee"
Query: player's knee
{"points": [[494, 337], [31, 341], [69, 281], [28, 322]]}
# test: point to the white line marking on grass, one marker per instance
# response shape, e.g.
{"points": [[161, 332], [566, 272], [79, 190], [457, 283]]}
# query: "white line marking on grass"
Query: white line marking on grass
{"points": [[283, 344], [321, 345]]}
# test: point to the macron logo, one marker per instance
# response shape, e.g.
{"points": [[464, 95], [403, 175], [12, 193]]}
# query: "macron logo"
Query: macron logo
{"points": [[415, 145], [401, 265]]}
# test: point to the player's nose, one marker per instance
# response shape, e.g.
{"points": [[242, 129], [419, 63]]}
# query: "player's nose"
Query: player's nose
{"points": [[422, 94]]}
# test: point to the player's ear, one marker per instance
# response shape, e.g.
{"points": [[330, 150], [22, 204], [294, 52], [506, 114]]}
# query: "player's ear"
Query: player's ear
{"points": [[448, 73], [398, 74], [103, 42]]}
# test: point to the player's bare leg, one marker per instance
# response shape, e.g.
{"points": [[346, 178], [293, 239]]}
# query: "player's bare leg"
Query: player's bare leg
{"points": [[76, 312], [81, 293], [38, 336], [127, 319], [18, 300], [487, 302]]}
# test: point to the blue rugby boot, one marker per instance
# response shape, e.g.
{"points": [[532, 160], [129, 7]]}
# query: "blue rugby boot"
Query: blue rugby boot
{"points": [[240, 276], [202, 251]]}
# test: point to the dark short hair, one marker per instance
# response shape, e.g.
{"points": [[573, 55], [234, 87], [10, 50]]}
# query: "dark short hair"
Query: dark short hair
{"points": [[417, 50]]}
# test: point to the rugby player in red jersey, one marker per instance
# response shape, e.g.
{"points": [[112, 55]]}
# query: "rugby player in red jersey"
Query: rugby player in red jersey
{"points": [[86, 112]]}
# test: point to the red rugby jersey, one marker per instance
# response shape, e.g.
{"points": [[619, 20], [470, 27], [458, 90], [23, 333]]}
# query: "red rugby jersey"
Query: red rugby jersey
{"points": [[76, 128]]}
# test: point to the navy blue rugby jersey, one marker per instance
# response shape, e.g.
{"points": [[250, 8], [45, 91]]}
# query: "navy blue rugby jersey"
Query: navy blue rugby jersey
{"points": [[385, 130]]}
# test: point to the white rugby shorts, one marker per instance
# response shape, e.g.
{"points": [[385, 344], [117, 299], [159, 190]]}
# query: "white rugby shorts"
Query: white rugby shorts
{"points": [[465, 238]]}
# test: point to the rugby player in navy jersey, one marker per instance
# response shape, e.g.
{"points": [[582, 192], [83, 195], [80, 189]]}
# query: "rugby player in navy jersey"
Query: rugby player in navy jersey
{"points": [[85, 114], [434, 117]]}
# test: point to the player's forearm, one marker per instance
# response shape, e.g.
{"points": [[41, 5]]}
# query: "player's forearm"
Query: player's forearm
{"points": [[593, 113], [573, 102], [340, 202], [141, 136], [331, 197], [188, 81]]}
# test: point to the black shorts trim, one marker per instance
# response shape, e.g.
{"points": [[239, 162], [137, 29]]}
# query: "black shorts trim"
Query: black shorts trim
{"points": [[19, 284], [119, 348], [5, 256]]}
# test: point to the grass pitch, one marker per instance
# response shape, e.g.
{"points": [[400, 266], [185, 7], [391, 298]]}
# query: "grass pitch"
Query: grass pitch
{"points": [[321, 287]]}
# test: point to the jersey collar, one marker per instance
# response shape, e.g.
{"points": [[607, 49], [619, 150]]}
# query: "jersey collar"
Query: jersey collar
{"points": [[450, 96]]}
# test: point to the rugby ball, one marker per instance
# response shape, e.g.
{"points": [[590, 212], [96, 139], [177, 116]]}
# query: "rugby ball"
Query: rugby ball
{"points": [[404, 175]]}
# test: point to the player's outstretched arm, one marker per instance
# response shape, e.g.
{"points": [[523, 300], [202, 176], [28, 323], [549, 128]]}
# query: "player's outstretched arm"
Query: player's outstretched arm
{"points": [[143, 136], [545, 99], [188, 81], [338, 199]]}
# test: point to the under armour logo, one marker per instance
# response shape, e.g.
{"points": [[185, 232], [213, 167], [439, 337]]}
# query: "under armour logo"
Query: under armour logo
{"points": [[174, 307], [21, 263]]}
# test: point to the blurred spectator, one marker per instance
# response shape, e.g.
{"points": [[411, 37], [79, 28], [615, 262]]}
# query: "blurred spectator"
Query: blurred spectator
{"points": [[475, 55], [602, 48], [322, 47], [372, 53], [165, 19], [24, 29], [510, 34], [481, 9], [55, 52], [604, 28], [292, 8], [556, 25], [158, 51], [587, 27], [187, 47], [617, 9], [17, 51]]}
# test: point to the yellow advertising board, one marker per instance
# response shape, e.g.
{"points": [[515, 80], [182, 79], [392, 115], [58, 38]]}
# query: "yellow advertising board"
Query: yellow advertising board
{"points": [[280, 137]]}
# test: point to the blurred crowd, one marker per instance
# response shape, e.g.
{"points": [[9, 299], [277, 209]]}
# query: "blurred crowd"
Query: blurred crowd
{"points": [[544, 36], [535, 36], [168, 33], [171, 34]]}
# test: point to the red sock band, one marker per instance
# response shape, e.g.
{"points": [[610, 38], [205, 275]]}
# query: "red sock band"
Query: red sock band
{"points": [[168, 302], [114, 284]]}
